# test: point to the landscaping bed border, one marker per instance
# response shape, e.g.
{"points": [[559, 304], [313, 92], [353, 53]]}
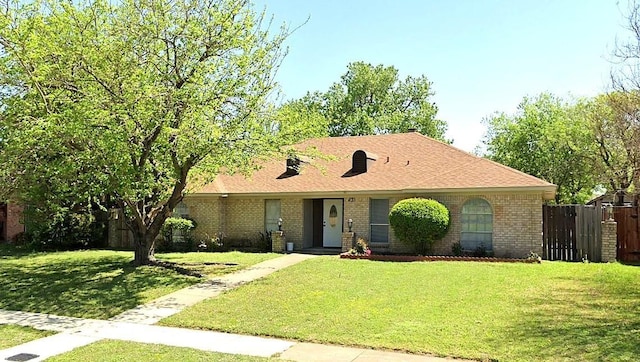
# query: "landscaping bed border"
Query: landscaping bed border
{"points": [[410, 258]]}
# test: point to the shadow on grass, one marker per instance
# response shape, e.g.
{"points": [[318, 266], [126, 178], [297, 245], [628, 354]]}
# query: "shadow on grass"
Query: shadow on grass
{"points": [[596, 320], [10, 251], [81, 284]]}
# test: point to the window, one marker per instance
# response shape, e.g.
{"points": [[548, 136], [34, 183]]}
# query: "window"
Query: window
{"points": [[271, 214], [379, 220], [477, 225], [182, 211]]}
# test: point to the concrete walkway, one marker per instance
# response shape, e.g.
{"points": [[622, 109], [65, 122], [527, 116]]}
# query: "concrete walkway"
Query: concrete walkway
{"points": [[77, 332], [175, 302], [136, 325]]}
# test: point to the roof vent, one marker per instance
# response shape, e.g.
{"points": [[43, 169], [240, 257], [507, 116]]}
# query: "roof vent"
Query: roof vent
{"points": [[361, 161], [412, 130]]}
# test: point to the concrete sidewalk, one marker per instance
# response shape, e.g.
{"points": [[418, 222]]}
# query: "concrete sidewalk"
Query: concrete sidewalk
{"points": [[136, 325], [154, 311], [77, 332]]}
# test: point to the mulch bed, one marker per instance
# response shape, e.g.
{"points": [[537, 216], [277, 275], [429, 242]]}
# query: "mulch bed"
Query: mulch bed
{"points": [[409, 258]]}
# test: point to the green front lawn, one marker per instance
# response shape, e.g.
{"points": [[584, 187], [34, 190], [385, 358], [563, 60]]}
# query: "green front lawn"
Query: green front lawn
{"points": [[214, 264], [97, 283], [15, 335], [549, 311], [116, 351]]}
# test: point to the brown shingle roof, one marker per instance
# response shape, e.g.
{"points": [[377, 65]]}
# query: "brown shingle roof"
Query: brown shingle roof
{"points": [[407, 162]]}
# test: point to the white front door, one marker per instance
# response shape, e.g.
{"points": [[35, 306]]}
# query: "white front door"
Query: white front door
{"points": [[332, 223]]}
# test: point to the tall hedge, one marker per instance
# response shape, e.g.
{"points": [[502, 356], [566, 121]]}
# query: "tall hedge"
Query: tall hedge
{"points": [[419, 222]]}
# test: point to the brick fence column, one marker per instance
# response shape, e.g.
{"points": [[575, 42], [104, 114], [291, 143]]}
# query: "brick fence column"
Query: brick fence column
{"points": [[348, 239], [609, 241], [277, 241]]}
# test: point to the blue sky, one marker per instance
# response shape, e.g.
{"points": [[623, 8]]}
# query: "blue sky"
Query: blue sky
{"points": [[483, 56]]}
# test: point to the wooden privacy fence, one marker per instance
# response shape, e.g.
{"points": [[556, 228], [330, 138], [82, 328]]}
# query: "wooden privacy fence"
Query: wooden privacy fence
{"points": [[572, 232], [628, 233], [120, 237]]}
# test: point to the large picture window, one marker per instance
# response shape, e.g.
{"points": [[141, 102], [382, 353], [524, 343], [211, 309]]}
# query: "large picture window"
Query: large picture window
{"points": [[379, 220], [477, 225]]}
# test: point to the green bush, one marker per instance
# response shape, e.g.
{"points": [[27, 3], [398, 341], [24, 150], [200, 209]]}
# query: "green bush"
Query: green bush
{"points": [[63, 229], [178, 226], [456, 249], [419, 222], [265, 241]]}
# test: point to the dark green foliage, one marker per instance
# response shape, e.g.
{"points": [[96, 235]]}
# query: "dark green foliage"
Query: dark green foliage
{"points": [[177, 233], [265, 242], [419, 222], [261, 244], [549, 138], [64, 230], [456, 249], [133, 99], [368, 99], [178, 224], [481, 251]]}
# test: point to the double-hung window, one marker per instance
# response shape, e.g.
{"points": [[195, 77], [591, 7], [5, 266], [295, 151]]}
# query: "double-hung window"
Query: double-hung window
{"points": [[379, 220], [271, 215]]}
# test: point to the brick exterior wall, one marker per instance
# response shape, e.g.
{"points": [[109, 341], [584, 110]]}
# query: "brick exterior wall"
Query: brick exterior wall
{"points": [[348, 240], [14, 223], [609, 241], [207, 212], [517, 220], [292, 214], [279, 242], [244, 218], [357, 209]]}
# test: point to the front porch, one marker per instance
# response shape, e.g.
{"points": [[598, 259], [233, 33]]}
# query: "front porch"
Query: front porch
{"points": [[279, 244]]}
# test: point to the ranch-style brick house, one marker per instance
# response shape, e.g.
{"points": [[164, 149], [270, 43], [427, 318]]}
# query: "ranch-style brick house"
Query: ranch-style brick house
{"points": [[490, 204]]}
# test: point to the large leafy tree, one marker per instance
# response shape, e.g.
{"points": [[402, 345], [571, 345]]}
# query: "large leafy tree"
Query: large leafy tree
{"points": [[614, 117], [372, 99], [547, 138], [133, 99]]}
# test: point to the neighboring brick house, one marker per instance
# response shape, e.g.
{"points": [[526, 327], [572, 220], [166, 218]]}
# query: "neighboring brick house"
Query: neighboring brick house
{"points": [[490, 204], [10, 221]]}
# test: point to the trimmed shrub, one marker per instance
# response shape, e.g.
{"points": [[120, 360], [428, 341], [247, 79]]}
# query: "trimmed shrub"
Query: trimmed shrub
{"points": [[63, 229], [419, 222], [177, 235]]}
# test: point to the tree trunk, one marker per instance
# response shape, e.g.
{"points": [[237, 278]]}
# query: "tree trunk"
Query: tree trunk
{"points": [[146, 231], [144, 249]]}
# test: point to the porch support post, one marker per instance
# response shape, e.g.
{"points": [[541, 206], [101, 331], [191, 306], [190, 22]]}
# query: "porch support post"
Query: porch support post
{"points": [[277, 241], [348, 240]]}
